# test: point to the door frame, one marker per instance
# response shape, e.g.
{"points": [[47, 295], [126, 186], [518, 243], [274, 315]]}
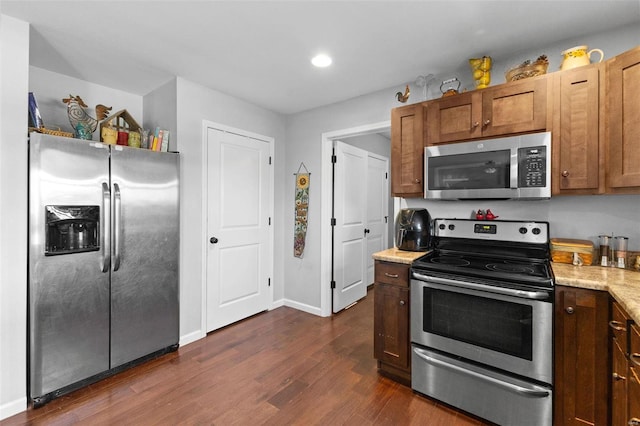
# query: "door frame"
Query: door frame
{"points": [[206, 124], [327, 204]]}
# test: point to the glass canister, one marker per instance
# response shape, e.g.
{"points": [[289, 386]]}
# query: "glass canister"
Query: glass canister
{"points": [[621, 251], [605, 249]]}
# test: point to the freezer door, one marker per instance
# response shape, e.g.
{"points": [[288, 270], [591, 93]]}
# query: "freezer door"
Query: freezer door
{"points": [[144, 286], [68, 290]]}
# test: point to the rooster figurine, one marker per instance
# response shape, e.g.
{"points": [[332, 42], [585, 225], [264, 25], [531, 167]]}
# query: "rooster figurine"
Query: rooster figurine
{"points": [[403, 98], [83, 124]]}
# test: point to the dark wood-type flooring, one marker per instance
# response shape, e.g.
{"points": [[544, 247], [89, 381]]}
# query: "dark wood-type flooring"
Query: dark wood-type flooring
{"points": [[281, 367]]}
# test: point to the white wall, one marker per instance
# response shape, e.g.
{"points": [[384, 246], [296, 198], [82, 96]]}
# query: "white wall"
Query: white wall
{"points": [[14, 67], [579, 217], [195, 104]]}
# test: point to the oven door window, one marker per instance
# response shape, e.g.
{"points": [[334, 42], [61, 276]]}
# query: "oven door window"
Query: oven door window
{"points": [[482, 170], [501, 326]]}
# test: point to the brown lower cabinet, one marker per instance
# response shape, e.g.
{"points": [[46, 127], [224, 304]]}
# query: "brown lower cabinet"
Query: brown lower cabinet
{"points": [[633, 390], [619, 327], [581, 395], [391, 320]]}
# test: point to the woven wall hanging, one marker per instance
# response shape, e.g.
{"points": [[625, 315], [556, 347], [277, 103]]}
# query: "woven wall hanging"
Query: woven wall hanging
{"points": [[302, 210]]}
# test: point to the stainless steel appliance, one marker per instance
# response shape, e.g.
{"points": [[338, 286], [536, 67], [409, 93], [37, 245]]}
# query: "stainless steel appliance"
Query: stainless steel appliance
{"points": [[103, 260], [413, 229], [482, 320], [515, 167]]}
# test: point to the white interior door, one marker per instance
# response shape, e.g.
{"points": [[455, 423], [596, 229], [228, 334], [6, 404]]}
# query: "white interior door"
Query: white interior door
{"points": [[350, 213], [239, 249], [376, 230]]}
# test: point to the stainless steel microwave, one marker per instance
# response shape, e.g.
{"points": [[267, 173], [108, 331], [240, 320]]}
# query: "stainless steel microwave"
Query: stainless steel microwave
{"points": [[514, 167]]}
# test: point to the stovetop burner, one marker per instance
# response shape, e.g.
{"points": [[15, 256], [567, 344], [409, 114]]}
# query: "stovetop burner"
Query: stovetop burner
{"points": [[450, 260], [507, 266]]}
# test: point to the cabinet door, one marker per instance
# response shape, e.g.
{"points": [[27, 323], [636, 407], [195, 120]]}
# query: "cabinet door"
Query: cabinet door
{"points": [[576, 131], [618, 387], [515, 107], [618, 327], [581, 357], [634, 377], [455, 118], [623, 76], [407, 146], [391, 325]]}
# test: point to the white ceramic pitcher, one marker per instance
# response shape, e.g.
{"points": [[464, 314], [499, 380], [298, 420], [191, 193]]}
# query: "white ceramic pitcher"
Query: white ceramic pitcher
{"points": [[578, 56]]}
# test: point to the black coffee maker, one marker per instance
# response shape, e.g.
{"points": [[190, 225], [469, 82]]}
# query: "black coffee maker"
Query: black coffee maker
{"points": [[413, 230]]}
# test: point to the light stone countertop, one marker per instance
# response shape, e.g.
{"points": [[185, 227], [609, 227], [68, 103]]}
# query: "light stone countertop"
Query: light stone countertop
{"points": [[398, 256], [622, 284]]}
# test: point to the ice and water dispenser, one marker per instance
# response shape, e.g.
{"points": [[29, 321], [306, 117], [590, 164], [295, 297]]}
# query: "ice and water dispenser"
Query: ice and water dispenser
{"points": [[71, 229]]}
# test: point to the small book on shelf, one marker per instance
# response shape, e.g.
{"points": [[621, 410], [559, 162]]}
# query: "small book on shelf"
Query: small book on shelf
{"points": [[165, 141], [35, 119]]}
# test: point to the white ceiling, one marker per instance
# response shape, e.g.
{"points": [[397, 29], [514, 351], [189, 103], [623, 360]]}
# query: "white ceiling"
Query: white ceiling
{"points": [[260, 51]]}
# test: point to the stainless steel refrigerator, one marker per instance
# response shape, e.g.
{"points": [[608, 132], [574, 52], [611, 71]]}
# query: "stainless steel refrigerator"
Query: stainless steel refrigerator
{"points": [[103, 260]]}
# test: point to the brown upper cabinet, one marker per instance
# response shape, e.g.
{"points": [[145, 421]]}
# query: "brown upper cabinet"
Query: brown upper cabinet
{"points": [[516, 107], [623, 113], [407, 146], [577, 131]]}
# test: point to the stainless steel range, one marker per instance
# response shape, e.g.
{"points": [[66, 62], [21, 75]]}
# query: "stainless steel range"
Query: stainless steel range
{"points": [[482, 320]]}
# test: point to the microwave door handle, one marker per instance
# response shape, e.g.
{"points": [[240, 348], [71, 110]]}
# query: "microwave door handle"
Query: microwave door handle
{"points": [[105, 225], [534, 295], [513, 169], [500, 383]]}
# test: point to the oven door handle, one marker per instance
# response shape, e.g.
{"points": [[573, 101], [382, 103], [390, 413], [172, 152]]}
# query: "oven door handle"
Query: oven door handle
{"points": [[535, 295], [533, 393]]}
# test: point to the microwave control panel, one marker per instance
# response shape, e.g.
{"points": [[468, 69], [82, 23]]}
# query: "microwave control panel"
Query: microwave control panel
{"points": [[532, 167]]}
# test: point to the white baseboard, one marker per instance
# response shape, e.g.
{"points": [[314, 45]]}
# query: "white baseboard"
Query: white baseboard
{"points": [[192, 337], [277, 304], [14, 407], [303, 307]]}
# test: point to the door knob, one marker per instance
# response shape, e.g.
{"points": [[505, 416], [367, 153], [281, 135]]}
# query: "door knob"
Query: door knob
{"points": [[213, 240], [565, 173]]}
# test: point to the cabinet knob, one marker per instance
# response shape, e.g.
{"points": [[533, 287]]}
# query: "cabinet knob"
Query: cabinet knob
{"points": [[486, 123], [616, 376], [634, 421], [417, 181], [402, 302], [475, 124], [569, 310], [213, 240], [565, 173]]}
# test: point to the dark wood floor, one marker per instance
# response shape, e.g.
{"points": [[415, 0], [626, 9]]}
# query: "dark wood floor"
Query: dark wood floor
{"points": [[277, 368]]}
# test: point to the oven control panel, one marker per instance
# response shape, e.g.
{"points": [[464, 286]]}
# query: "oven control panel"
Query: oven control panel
{"points": [[498, 230]]}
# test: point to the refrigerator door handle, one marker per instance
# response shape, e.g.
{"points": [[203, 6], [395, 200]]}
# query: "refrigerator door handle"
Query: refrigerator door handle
{"points": [[105, 236], [116, 226]]}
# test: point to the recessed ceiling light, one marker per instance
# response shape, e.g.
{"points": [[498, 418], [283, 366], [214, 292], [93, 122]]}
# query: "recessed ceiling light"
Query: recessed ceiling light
{"points": [[321, 61]]}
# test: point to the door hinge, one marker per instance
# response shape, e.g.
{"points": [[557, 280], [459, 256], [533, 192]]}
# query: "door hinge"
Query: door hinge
{"points": [[269, 282], [333, 284], [333, 221], [269, 159], [334, 159]]}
